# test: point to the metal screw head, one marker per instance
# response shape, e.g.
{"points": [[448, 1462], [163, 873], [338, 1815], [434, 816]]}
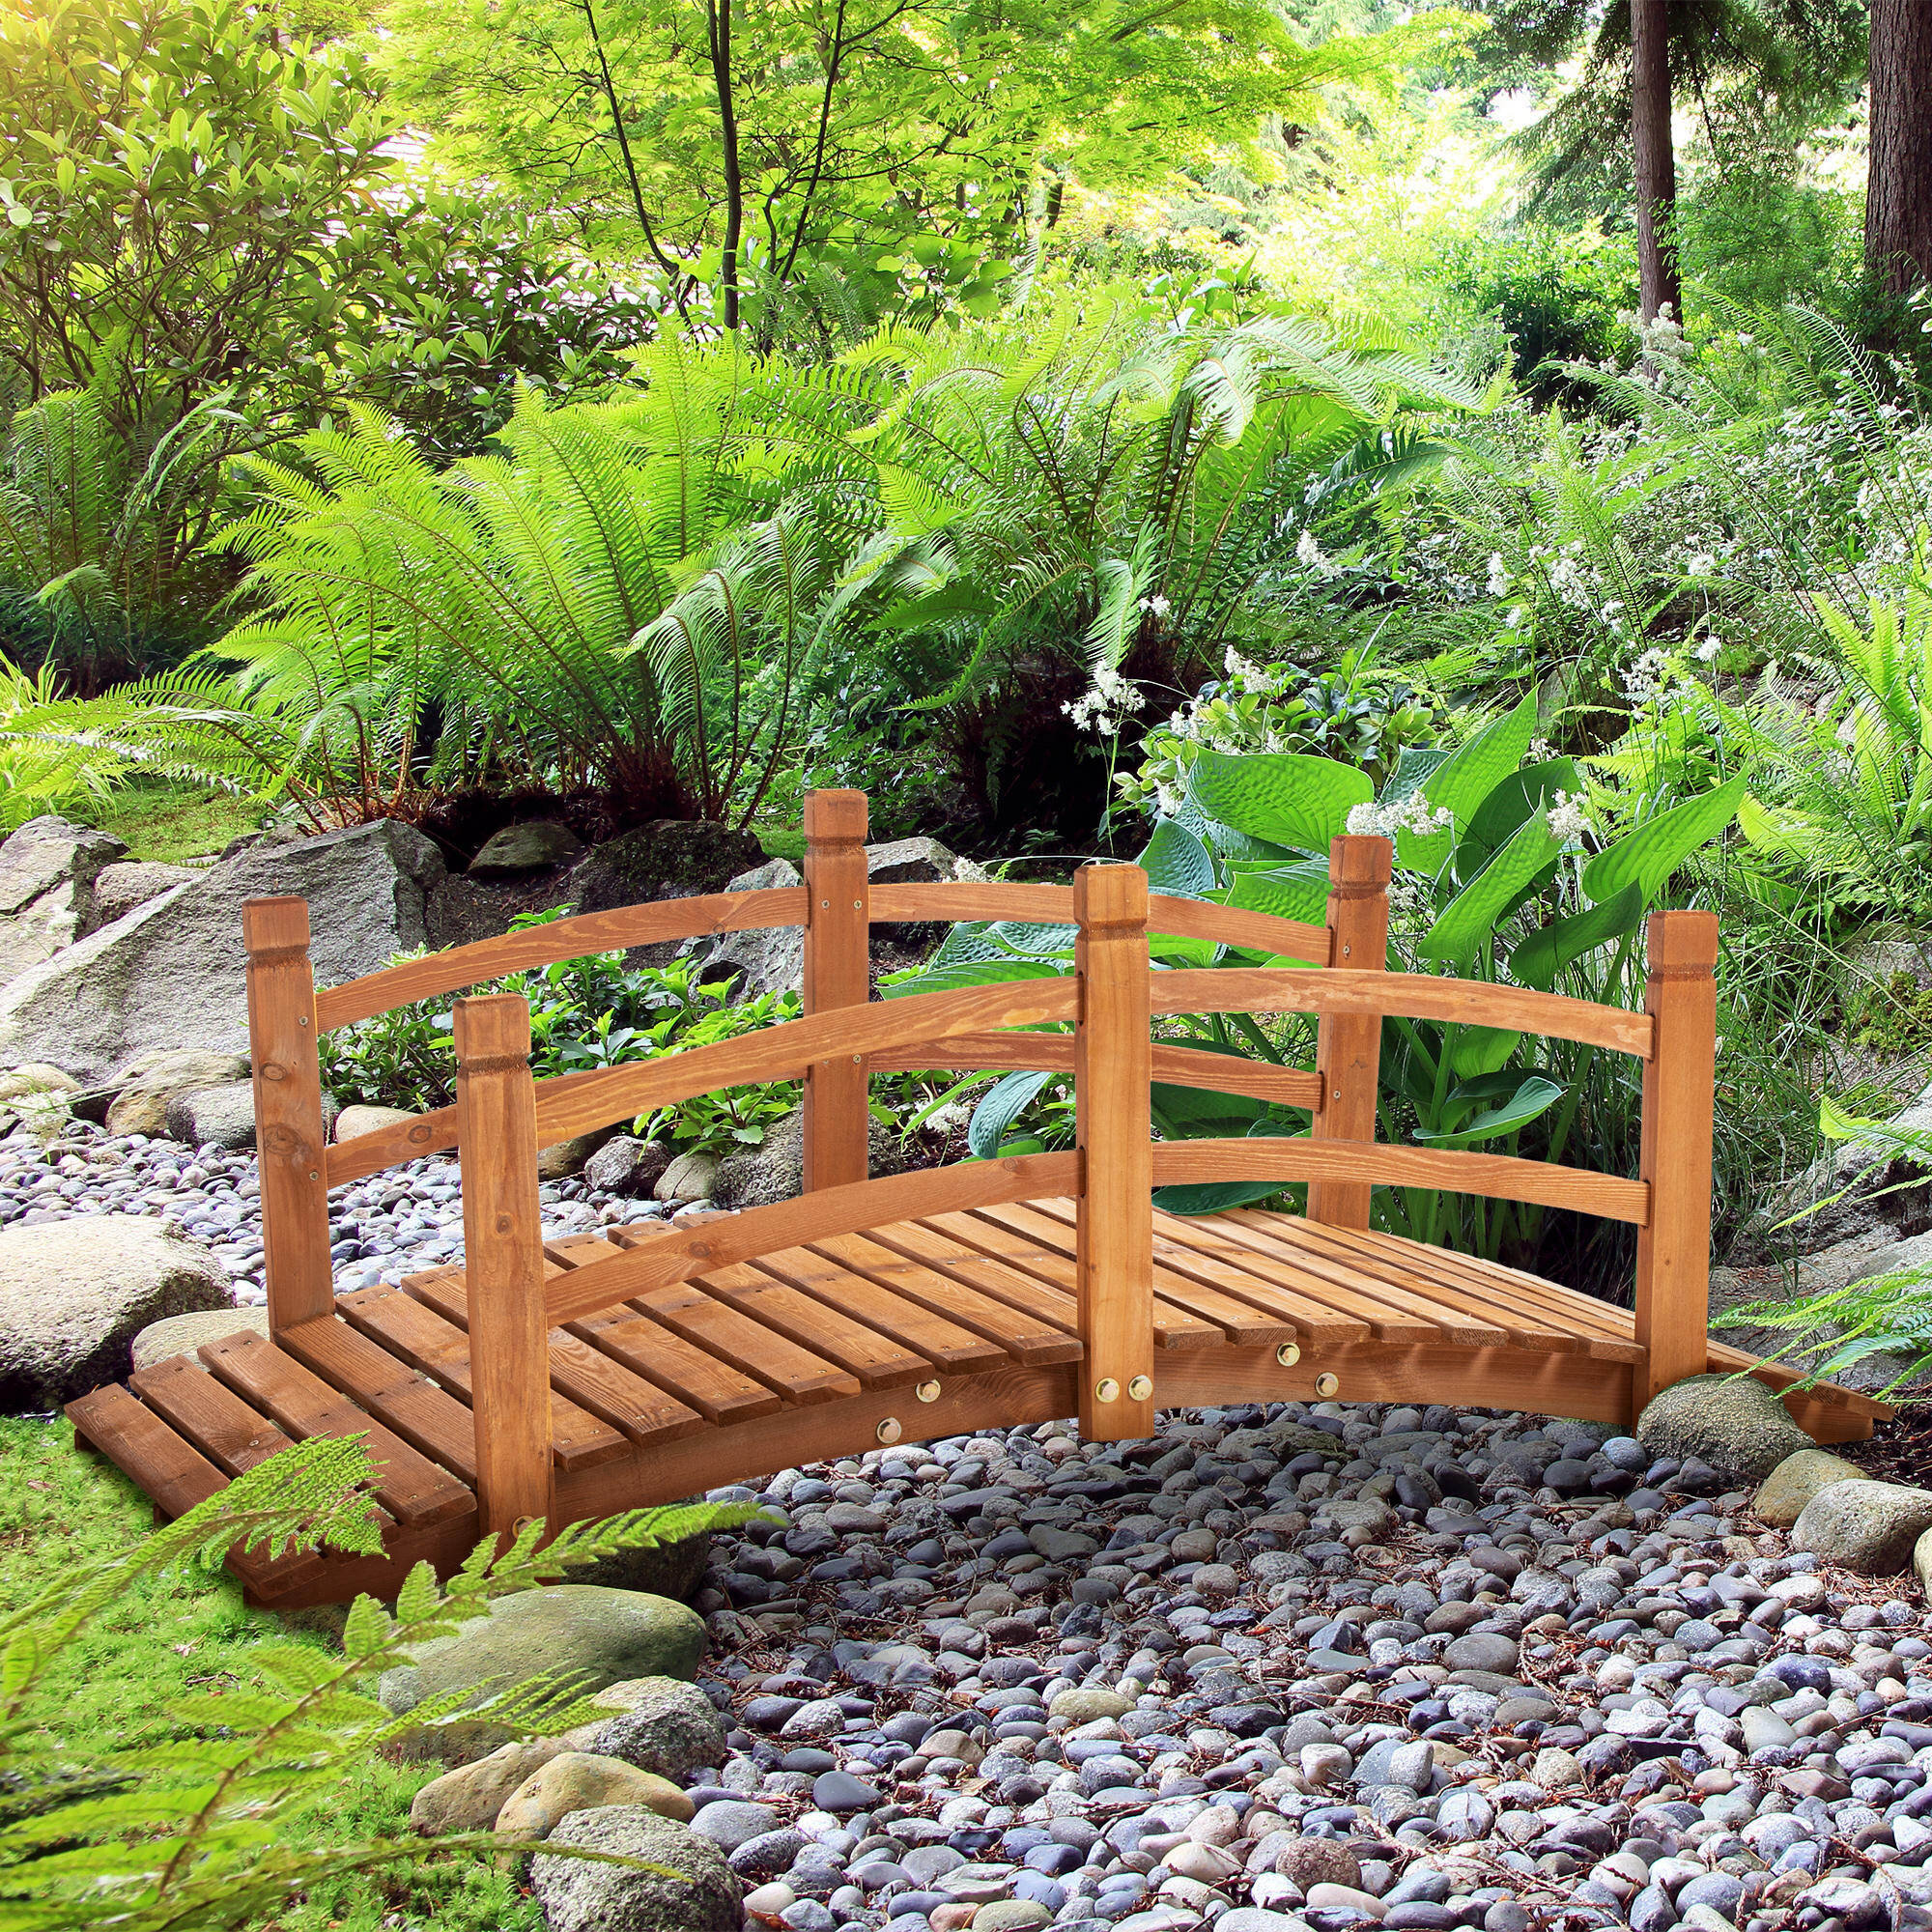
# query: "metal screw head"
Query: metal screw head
{"points": [[1346, 949], [1288, 1355], [927, 1391], [302, 1019], [857, 905], [890, 1430], [313, 1175], [1106, 1389], [1327, 1384], [1141, 1387]]}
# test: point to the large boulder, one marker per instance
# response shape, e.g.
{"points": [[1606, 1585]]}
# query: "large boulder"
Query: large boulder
{"points": [[173, 970], [774, 1168], [667, 859], [73, 1295], [1733, 1423], [534, 847], [1781, 1497], [584, 1781], [588, 1633], [693, 1889], [120, 888], [221, 1116], [150, 1082], [627, 1165], [48, 868], [1868, 1528], [183, 1334]]}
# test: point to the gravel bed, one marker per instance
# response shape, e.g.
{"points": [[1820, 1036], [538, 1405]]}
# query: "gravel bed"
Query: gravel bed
{"points": [[1282, 1669]]}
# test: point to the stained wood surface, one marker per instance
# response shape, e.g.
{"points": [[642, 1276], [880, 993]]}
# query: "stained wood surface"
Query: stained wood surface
{"points": [[619, 929], [1240, 925], [836, 977], [1501, 1177], [973, 899], [1265, 990], [1347, 1048]]}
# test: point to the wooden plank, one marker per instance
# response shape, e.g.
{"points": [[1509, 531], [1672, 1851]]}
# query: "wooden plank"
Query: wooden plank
{"points": [[719, 1392], [912, 1324], [1240, 925], [836, 976], [1173, 1327], [878, 1361], [174, 1475], [1240, 1274], [1046, 1309], [743, 1343], [1238, 1322], [385, 1147], [1674, 1249], [1114, 1240], [209, 1414], [610, 931], [655, 1255], [289, 1132], [950, 901], [1347, 1049], [1012, 1333], [408, 1485], [1275, 990]]}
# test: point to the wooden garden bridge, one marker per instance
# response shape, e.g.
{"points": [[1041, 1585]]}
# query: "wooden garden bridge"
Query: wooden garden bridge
{"points": [[575, 1377]]}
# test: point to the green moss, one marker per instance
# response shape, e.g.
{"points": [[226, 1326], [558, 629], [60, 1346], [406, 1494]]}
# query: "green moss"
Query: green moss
{"points": [[783, 842], [189, 1633], [175, 823], [1894, 1019]]}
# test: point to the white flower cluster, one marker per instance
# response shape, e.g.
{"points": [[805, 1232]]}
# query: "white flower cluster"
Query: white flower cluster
{"points": [[1569, 816], [1310, 552], [1414, 813], [1499, 577], [1108, 705], [1647, 678]]}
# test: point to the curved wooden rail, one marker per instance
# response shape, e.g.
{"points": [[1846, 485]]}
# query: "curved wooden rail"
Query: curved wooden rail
{"points": [[1240, 925], [1255, 989], [945, 901], [537, 946], [1500, 1176], [702, 1246]]}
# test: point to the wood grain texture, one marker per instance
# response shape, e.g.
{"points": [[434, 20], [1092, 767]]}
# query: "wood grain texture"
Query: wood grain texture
{"points": [[578, 1102], [289, 1129], [973, 899], [504, 1273], [1262, 989], [1347, 1048], [1238, 925], [838, 974], [656, 1256], [1502, 1176], [1673, 1252], [1113, 1067], [619, 929], [388, 1146]]}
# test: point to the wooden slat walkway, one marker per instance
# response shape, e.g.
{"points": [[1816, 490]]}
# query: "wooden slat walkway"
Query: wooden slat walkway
{"points": [[920, 1328]]}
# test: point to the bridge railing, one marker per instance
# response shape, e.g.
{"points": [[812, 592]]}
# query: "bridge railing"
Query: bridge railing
{"points": [[1106, 1010]]}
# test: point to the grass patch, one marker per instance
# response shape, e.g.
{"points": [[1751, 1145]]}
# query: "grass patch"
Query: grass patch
{"points": [[190, 1632], [176, 823], [782, 842]]}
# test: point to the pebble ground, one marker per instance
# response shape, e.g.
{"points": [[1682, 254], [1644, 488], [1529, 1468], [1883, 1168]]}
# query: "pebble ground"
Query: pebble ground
{"points": [[1282, 1669]]}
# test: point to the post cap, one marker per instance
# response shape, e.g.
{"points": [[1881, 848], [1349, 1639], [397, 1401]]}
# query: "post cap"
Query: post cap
{"points": [[835, 816], [1108, 894], [274, 922], [491, 1026], [1682, 942], [1361, 860]]}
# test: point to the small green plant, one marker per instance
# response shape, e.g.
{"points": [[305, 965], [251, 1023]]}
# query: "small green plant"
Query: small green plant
{"points": [[1893, 1019], [192, 1832]]}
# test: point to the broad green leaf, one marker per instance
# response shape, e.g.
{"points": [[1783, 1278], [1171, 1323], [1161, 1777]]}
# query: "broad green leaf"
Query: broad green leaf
{"points": [[1297, 890], [1471, 915], [1177, 862], [1181, 1110], [1467, 776], [1510, 803], [1286, 798], [1005, 1103], [1647, 857], [1480, 1050], [1034, 941], [1416, 764], [1536, 1095], [1214, 1197], [1538, 959], [971, 972]]}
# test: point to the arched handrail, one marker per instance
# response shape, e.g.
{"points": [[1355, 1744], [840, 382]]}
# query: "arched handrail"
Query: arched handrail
{"points": [[1456, 1170], [536, 945], [1410, 995], [716, 1242]]}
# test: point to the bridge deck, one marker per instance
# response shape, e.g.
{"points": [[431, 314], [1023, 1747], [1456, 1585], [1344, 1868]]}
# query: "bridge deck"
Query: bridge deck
{"points": [[923, 1328]]}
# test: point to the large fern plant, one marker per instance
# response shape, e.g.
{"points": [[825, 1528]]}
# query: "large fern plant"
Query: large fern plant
{"points": [[194, 1832]]}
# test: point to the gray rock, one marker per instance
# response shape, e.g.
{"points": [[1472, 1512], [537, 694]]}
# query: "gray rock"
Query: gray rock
{"points": [[534, 847], [627, 1165], [119, 889], [1783, 1493], [468, 1798], [665, 1725], [774, 1170], [145, 1087], [1483, 1650], [173, 968], [73, 1295], [1734, 1423], [588, 1633], [48, 867], [563, 1158], [729, 1823], [694, 1891], [354, 1121], [183, 1334], [689, 1177], [1864, 1526], [223, 1115]]}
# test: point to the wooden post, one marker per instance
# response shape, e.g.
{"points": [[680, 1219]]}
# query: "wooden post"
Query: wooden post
{"points": [[837, 943], [1112, 1060], [1349, 1046], [1673, 1250], [288, 1127], [503, 1260]]}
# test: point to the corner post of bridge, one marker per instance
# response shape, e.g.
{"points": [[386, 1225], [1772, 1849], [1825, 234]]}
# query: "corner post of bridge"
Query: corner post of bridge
{"points": [[1673, 1246], [503, 1261], [1113, 1065], [286, 1076], [1348, 1054], [838, 956]]}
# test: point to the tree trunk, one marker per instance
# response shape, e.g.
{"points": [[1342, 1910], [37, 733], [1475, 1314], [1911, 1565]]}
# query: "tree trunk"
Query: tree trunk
{"points": [[718, 33], [1656, 163], [1898, 193]]}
